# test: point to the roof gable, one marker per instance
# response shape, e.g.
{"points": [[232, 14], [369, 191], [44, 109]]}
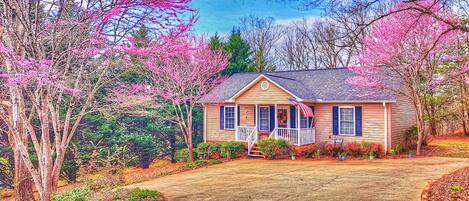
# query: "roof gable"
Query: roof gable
{"points": [[255, 94], [257, 81]]}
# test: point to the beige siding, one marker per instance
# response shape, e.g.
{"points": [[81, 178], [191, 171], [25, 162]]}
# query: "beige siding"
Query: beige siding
{"points": [[372, 123], [214, 133], [403, 117], [255, 95], [246, 115]]}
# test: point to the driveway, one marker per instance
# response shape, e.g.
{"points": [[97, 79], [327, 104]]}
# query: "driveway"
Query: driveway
{"points": [[401, 179]]}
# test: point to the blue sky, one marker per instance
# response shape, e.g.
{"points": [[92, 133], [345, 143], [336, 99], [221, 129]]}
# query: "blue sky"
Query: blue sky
{"points": [[219, 16]]}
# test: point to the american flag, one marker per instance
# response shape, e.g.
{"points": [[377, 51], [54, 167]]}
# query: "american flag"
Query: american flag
{"points": [[305, 110]]}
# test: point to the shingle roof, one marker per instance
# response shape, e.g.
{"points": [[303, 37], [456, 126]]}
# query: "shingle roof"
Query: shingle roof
{"points": [[320, 84]]}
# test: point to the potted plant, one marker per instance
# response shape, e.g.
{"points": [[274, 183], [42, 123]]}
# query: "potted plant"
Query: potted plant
{"points": [[292, 155], [398, 150], [411, 153], [317, 154], [372, 155], [393, 154], [343, 156]]}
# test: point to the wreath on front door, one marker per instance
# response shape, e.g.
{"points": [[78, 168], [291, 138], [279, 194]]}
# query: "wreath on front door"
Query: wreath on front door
{"points": [[281, 117]]}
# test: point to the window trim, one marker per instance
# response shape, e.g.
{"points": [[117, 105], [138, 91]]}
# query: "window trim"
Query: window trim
{"points": [[354, 120], [308, 125], [268, 118], [234, 118]]}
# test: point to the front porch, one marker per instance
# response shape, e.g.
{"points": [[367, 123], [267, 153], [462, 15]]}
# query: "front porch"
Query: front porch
{"points": [[278, 121]]}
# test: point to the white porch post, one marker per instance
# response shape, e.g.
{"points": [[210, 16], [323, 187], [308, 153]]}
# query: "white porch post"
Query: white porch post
{"points": [[257, 117], [236, 122], [299, 124]]}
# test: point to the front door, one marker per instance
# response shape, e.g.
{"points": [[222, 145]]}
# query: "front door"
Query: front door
{"points": [[282, 117]]}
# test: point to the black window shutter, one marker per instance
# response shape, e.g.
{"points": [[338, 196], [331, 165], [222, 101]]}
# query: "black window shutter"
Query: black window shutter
{"points": [[222, 117], [292, 117], [310, 119], [238, 115], [272, 118], [335, 120], [358, 121]]}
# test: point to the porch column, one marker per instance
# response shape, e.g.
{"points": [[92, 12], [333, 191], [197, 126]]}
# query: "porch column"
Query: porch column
{"points": [[257, 117], [298, 122], [236, 122]]}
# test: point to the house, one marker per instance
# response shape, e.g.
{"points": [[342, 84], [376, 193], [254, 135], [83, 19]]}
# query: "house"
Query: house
{"points": [[249, 106]]}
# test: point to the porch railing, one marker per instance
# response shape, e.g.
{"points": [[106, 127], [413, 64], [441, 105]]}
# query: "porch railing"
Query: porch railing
{"points": [[243, 132], [296, 136], [252, 139]]}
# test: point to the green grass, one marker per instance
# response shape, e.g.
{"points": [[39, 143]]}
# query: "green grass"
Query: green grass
{"points": [[454, 148]]}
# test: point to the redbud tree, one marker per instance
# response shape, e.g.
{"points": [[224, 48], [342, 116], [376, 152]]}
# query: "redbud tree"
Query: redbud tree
{"points": [[54, 58], [410, 47]]}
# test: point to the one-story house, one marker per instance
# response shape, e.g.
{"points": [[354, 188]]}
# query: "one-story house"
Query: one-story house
{"points": [[249, 106]]}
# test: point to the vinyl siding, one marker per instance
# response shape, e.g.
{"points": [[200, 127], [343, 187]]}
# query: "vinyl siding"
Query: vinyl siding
{"points": [[372, 123], [255, 95], [403, 117], [213, 131]]}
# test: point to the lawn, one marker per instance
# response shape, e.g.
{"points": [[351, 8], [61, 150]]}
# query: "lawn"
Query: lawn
{"points": [[401, 179], [457, 147]]}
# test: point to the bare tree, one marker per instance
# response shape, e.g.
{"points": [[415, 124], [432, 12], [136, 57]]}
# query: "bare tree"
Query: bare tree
{"points": [[262, 34], [298, 48]]}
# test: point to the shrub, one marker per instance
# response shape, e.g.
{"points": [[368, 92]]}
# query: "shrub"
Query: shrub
{"points": [[399, 149], [232, 149], [411, 135], [144, 194], [355, 149], [69, 170], [207, 151], [195, 164], [333, 149], [271, 148], [372, 147], [77, 194], [144, 146], [182, 155], [306, 151], [216, 161]]}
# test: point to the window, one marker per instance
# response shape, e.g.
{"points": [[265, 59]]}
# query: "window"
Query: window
{"points": [[346, 121], [264, 119], [304, 122], [229, 117]]}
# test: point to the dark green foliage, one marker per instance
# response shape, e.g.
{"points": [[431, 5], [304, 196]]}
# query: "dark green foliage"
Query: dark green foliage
{"points": [[215, 42], [144, 194], [208, 150], [144, 146], [239, 51], [232, 149], [195, 164], [182, 155], [6, 167], [69, 170], [77, 194], [272, 148]]}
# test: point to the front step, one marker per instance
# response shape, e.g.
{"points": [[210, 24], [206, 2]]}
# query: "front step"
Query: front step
{"points": [[255, 152]]}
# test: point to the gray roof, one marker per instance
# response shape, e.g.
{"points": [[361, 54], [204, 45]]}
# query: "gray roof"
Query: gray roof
{"points": [[319, 84]]}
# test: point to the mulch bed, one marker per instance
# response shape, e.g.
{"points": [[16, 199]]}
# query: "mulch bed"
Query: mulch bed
{"points": [[441, 188]]}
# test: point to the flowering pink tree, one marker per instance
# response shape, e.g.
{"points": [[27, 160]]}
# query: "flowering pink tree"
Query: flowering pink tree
{"points": [[179, 78], [410, 46], [54, 58]]}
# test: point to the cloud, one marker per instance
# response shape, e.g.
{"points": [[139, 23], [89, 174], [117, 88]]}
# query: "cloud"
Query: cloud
{"points": [[287, 22]]}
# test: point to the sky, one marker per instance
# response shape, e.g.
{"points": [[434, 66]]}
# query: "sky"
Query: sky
{"points": [[219, 16]]}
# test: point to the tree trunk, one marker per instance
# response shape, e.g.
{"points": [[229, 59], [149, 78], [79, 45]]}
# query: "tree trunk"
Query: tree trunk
{"points": [[23, 182], [190, 146], [464, 106]]}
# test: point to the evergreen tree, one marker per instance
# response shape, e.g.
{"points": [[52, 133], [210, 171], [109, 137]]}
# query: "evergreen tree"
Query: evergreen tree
{"points": [[215, 42], [240, 53]]}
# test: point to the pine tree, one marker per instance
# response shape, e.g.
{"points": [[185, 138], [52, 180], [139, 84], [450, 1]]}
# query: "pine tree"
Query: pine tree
{"points": [[240, 52]]}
